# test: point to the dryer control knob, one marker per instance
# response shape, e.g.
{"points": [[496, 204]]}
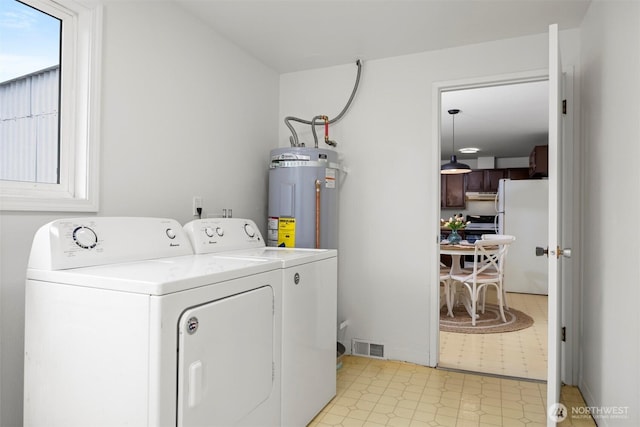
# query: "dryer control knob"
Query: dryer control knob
{"points": [[85, 237], [171, 233], [220, 231], [209, 231], [251, 232]]}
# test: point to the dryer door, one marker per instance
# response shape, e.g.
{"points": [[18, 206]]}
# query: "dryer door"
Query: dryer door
{"points": [[225, 360]]}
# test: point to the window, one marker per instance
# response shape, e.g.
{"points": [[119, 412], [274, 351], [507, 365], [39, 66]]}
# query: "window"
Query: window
{"points": [[29, 94], [49, 109]]}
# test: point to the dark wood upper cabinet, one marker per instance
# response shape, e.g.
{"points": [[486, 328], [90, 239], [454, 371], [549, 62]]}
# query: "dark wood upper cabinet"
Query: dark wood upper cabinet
{"points": [[492, 177], [518, 173], [452, 191], [539, 161], [454, 187], [485, 180], [475, 180]]}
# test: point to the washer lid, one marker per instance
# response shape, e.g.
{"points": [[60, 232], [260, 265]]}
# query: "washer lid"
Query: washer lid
{"points": [[288, 257], [159, 276]]}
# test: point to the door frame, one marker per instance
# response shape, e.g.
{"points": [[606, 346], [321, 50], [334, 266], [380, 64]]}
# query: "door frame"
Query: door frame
{"points": [[567, 358]]}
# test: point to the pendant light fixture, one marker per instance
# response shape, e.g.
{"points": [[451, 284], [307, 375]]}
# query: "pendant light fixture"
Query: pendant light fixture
{"points": [[453, 167]]}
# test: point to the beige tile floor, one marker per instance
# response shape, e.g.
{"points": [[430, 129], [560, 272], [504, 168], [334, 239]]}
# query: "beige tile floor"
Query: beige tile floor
{"points": [[521, 354], [373, 392]]}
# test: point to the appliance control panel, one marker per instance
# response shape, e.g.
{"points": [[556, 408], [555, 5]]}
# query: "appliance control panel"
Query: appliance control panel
{"points": [[84, 242], [213, 235]]}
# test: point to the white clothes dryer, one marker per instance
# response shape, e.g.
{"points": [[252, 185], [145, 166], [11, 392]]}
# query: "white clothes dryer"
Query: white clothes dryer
{"points": [[309, 310], [125, 326]]}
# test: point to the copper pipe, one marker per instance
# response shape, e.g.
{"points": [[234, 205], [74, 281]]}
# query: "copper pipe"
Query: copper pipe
{"points": [[317, 214]]}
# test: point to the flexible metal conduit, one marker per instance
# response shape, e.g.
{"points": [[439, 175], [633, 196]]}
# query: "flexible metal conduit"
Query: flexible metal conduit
{"points": [[294, 138]]}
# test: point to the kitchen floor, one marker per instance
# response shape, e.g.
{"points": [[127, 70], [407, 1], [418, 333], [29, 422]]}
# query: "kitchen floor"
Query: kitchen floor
{"points": [[521, 354], [373, 392]]}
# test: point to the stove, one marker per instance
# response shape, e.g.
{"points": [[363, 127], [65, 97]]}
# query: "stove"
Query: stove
{"points": [[480, 224]]}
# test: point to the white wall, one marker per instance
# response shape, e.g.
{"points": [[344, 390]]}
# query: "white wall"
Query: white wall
{"points": [[610, 119], [181, 105], [184, 113], [388, 222]]}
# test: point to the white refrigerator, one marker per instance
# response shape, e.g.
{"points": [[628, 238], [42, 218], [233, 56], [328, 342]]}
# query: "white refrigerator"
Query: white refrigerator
{"points": [[523, 212]]}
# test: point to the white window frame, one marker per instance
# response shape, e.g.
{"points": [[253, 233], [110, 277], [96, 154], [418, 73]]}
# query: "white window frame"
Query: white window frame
{"points": [[77, 190]]}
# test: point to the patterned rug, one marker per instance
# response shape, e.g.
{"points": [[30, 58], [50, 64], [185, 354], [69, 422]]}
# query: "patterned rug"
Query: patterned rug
{"points": [[488, 323]]}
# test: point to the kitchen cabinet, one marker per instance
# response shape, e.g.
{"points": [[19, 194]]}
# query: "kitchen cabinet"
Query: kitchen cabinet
{"points": [[518, 173], [491, 179], [452, 189], [538, 161], [475, 180], [485, 180]]}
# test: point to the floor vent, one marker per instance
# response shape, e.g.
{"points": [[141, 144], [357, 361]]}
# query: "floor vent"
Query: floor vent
{"points": [[368, 349]]}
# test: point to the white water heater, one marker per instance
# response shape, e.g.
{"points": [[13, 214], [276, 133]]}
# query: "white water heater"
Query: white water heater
{"points": [[303, 198]]}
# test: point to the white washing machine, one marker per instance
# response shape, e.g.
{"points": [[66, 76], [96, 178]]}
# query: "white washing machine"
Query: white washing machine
{"points": [[309, 310], [125, 326]]}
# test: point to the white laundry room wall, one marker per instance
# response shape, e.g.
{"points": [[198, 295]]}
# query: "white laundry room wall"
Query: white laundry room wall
{"points": [[387, 214], [610, 350], [184, 113]]}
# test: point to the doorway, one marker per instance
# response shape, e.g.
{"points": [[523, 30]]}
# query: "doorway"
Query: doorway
{"points": [[504, 119]]}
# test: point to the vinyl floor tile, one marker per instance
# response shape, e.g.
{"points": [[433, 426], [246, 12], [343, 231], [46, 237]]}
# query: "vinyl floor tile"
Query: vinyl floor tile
{"points": [[405, 394], [521, 354]]}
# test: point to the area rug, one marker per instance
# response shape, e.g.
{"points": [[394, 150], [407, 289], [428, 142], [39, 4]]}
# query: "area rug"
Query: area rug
{"points": [[488, 323]]}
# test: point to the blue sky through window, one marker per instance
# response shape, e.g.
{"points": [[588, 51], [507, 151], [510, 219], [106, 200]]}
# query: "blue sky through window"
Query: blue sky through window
{"points": [[29, 40]]}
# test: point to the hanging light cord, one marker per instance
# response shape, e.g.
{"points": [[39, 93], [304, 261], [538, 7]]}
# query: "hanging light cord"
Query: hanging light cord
{"points": [[453, 113], [453, 135]]}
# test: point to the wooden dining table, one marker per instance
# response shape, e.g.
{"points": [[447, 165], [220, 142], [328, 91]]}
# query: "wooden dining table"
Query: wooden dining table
{"points": [[456, 251]]}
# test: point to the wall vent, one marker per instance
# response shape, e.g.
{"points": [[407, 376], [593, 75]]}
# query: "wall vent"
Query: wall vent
{"points": [[367, 349]]}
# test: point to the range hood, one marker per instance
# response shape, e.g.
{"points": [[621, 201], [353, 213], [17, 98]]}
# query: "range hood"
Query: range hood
{"points": [[480, 195]]}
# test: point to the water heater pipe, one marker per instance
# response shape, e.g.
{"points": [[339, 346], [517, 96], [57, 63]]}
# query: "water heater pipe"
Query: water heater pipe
{"points": [[317, 214], [294, 138], [326, 131]]}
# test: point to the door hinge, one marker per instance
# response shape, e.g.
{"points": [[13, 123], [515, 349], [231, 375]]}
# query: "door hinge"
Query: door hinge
{"points": [[564, 106], [564, 334]]}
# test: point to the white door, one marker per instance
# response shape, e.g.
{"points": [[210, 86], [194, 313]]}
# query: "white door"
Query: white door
{"points": [[225, 360], [555, 252]]}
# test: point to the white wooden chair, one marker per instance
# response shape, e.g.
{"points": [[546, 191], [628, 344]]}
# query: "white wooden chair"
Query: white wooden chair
{"points": [[488, 270], [504, 288], [445, 281]]}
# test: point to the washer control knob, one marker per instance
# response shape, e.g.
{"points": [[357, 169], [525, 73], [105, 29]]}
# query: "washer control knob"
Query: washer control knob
{"points": [[251, 232], [220, 231], [209, 231], [170, 233], [85, 237]]}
